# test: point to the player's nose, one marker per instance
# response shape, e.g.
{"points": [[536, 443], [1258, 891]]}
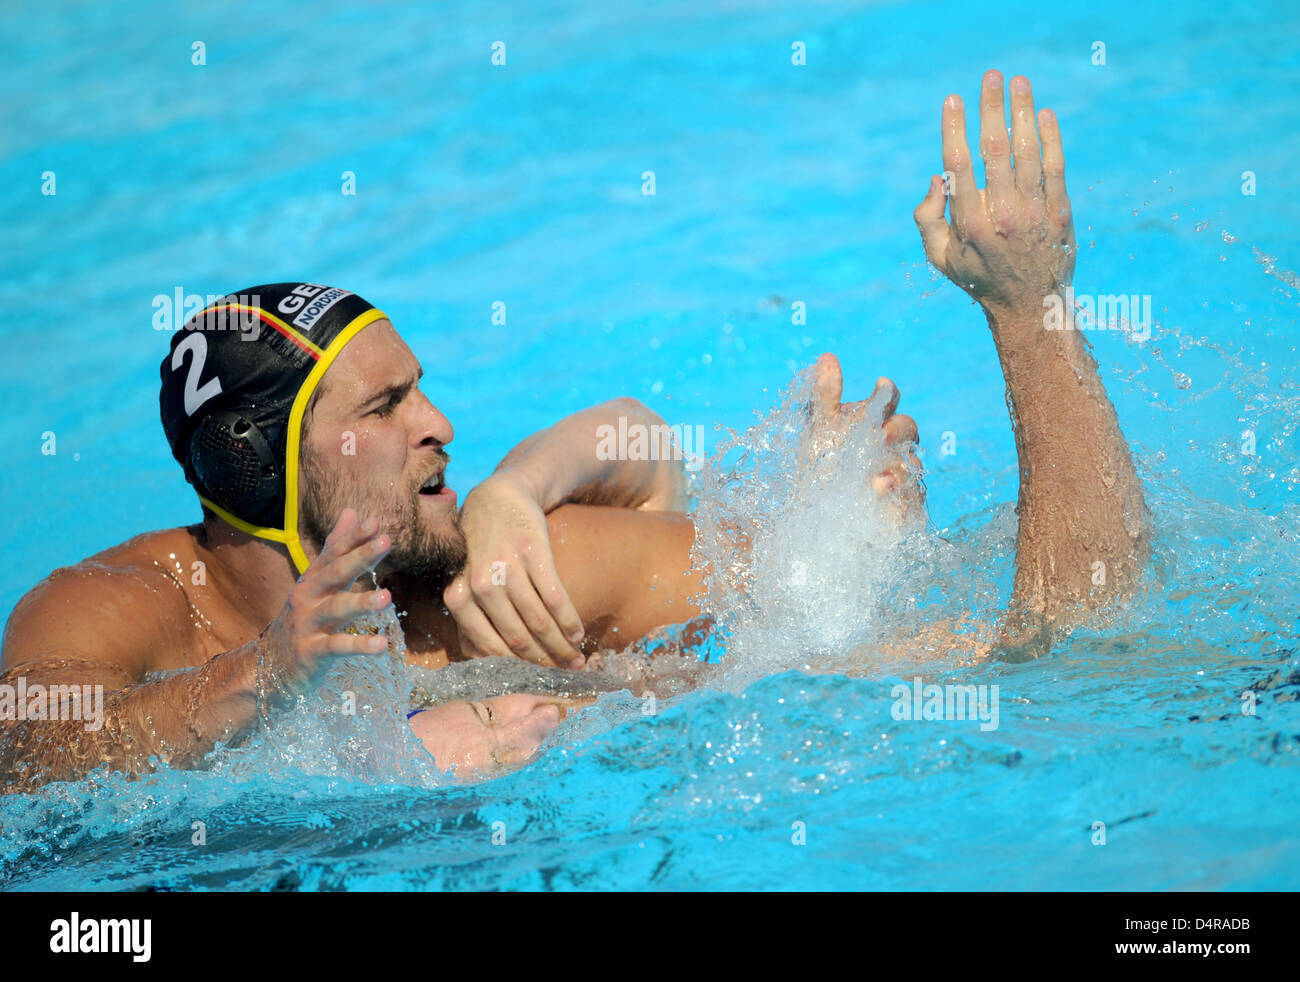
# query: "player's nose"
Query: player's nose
{"points": [[432, 427]]}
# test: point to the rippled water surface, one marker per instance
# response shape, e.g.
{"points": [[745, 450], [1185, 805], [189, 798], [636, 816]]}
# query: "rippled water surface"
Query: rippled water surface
{"points": [[775, 184]]}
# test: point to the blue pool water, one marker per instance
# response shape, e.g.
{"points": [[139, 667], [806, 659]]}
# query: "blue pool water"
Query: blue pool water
{"points": [[775, 183]]}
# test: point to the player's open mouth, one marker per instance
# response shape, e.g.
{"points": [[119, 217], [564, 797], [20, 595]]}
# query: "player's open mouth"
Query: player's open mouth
{"points": [[436, 487]]}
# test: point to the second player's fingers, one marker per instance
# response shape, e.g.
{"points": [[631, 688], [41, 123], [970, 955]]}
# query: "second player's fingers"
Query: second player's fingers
{"points": [[546, 580], [474, 625], [1058, 202], [1024, 140], [541, 624], [891, 398], [900, 428], [930, 220], [994, 147], [468, 649], [499, 606], [964, 200]]}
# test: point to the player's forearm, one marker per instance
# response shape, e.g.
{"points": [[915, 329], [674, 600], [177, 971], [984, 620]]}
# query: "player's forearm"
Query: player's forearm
{"points": [[579, 460], [176, 720], [1083, 520]]}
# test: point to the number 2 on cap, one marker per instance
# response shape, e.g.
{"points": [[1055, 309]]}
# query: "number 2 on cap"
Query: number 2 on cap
{"points": [[195, 395]]}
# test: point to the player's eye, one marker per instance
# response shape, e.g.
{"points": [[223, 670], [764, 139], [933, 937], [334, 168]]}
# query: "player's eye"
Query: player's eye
{"points": [[386, 410]]}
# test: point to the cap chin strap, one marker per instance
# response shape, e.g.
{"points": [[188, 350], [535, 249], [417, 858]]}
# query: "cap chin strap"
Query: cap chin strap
{"points": [[288, 535]]}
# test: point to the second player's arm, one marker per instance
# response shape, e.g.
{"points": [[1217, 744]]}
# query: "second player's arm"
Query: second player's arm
{"points": [[1083, 524], [510, 600]]}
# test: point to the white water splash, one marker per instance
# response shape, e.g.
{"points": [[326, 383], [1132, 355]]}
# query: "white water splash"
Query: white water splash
{"points": [[808, 563], [352, 725]]}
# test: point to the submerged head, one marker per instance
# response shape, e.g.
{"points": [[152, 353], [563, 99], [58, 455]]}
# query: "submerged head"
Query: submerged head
{"points": [[288, 403]]}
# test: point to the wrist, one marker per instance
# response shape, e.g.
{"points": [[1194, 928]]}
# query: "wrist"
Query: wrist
{"points": [[1049, 315], [1026, 303], [244, 682], [517, 481], [221, 700]]}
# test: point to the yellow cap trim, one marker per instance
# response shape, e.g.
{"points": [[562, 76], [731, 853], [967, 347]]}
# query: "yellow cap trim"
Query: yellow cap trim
{"points": [[274, 535], [296, 414], [288, 536]]}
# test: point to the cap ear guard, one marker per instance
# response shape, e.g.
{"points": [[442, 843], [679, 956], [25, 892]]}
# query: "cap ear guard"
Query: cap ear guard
{"points": [[235, 466]]}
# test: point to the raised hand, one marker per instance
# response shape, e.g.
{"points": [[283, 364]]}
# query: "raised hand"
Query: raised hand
{"points": [[831, 420], [1082, 536], [1010, 243], [311, 629]]}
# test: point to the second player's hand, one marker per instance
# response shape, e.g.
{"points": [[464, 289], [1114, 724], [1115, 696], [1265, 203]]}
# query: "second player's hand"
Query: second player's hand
{"points": [[509, 600], [831, 419], [1011, 243]]}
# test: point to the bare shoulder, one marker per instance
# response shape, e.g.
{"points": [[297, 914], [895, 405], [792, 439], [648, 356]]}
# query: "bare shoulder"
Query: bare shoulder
{"points": [[117, 607]]}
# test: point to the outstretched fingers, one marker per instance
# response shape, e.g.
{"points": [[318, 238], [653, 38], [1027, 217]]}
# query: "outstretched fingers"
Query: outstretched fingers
{"points": [[965, 199], [341, 563], [343, 608], [346, 643], [993, 137], [348, 532], [1058, 202], [327, 590], [1024, 140], [828, 387]]}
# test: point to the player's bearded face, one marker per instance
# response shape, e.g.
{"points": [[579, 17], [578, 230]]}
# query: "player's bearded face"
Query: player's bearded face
{"points": [[426, 543]]}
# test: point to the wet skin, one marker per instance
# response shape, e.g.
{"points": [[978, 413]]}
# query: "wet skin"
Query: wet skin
{"points": [[620, 567]]}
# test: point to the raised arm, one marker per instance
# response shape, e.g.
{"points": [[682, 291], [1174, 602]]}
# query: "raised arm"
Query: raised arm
{"points": [[1083, 523], [509, 600]]}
